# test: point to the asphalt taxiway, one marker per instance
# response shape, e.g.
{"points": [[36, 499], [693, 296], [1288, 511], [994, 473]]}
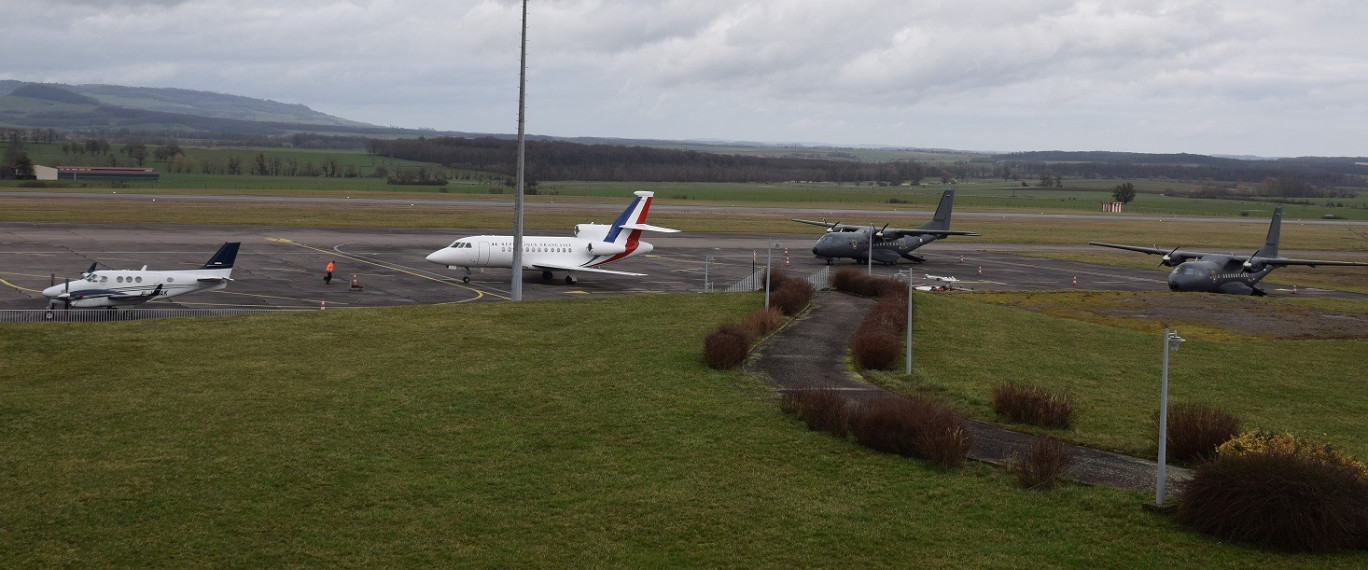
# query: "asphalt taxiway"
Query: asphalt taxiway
{"points": [[282, 267]]}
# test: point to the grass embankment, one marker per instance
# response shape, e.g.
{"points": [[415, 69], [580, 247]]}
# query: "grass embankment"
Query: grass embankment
{"points": [[1102, 350], [561, 433]]}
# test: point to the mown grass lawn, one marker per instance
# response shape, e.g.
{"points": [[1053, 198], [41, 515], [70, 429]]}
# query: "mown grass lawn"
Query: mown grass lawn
{"points": [[560, 433], [965, 345]]}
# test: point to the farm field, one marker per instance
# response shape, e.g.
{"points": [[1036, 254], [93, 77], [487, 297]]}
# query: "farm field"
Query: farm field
{"points": [[504, 435]]}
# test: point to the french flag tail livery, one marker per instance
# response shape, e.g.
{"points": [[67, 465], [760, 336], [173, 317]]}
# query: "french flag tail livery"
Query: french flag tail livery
{"points": [[626, 229]]}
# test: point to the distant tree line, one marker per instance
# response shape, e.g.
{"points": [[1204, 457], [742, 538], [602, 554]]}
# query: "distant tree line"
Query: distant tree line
{"points": [[1345, 172], [559, 160]]}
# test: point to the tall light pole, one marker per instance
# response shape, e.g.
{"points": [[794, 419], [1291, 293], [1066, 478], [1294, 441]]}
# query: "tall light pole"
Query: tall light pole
{"points": [[515, 289], [769, 255], [869, 254], [909, 321], [1171, 341]]}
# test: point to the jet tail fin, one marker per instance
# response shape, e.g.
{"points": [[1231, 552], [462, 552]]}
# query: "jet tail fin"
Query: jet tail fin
{"points": [[224, 257], [941, 221], [633, 219], [1270, 246]]}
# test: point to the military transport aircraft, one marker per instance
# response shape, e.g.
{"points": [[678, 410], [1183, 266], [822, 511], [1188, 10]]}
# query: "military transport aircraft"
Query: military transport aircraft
{"points": [[1226, 273], [845, 240], [592, 246], [118, 287]]}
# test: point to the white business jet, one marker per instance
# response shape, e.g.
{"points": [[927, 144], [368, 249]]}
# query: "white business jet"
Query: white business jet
{"points": [[594, 245], [119, 287]]}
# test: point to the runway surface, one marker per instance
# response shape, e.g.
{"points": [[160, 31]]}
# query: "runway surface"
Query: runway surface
{"points": [[280, 267]]}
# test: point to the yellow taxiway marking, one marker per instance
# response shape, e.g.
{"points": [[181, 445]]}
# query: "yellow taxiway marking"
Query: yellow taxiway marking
{"points": [[13, 286], [478, 293]]}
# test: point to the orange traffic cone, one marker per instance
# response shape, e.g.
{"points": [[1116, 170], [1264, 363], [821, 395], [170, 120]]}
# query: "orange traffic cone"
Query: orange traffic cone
{"points": [[355, 286], [980, 271], [786, 257], [322, 305], [1294, 289], [961, 258], [1075, 281]]}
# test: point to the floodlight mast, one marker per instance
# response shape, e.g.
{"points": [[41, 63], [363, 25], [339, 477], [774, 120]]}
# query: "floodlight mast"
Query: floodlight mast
{"points": [[515, 288]]}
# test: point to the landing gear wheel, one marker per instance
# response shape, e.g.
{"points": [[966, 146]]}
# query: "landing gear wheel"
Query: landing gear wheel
{"points": [[569, 279], [547, 276], [465, 279]]}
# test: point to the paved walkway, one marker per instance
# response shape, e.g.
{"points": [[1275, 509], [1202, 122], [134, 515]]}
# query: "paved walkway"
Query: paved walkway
{"points": [[810, 353]]}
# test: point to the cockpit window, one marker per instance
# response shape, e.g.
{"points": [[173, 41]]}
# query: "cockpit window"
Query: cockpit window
{"points": [[1187, 271]]}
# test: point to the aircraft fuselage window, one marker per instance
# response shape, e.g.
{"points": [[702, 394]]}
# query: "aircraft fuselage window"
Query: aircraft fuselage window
{"points": [[119, 279], [138, 279]]}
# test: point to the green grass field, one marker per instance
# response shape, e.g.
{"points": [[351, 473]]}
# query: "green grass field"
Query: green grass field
{"points": [[554, 434], [964, 346]]}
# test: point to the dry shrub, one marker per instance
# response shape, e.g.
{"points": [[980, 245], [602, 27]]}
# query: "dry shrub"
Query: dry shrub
{"points": [[1260, 441], [1196, 429], [889, 313], [792, 296], [1041, 465], [1278, 500], [912, 427], [761, 321], [858, 283], [727, 346], [841, 279], [875, 350], [1033, 405], [823, 409]]}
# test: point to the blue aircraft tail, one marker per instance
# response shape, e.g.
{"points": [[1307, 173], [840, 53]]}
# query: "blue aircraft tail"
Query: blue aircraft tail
{"points": [[224, 257]]}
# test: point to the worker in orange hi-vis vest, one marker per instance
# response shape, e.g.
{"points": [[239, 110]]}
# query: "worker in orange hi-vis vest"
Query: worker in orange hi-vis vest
{"points": [[327, 275]]}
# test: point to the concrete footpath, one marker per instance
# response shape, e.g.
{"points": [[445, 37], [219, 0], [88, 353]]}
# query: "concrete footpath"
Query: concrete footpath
{"points": [[810, 353]]}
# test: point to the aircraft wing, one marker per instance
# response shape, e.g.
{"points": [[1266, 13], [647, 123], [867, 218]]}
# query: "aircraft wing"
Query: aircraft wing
{"points": [[1307, 262], [559, 267], [823, 223], [892, 233], [136, 299], [1172, 257], [649, 228]]}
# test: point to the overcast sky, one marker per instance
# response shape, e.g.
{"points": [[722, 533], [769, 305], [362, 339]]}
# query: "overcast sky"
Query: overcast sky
{"points": [[1256, 77]]}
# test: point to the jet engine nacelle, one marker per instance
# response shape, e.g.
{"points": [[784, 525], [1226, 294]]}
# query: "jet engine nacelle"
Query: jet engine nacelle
{"points": [[592, 232], [606, 248]]}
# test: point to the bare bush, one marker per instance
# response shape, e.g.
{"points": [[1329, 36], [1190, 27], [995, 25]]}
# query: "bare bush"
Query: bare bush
{"points": [[1278, 500], [761, 321], [792, 296], [727, 346], [1041, 465], [913, 428], [1033, 405], [1195, 430], [875, 350], [823, 409]]}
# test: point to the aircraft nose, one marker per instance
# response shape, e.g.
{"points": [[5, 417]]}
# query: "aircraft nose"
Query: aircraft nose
{"points": [[433, 257]]}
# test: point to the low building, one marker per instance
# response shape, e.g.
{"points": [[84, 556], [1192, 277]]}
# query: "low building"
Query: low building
{"points": [[97, 173]]}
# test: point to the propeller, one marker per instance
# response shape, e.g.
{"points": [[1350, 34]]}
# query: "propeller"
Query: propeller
{"points": [[832, 227], [879, 234], [1249, 266], [1167, 260]]}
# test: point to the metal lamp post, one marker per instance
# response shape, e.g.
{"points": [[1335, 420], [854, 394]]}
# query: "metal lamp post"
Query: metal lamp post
{"points": [[909, 322], [769, 252], [1171, 342]]}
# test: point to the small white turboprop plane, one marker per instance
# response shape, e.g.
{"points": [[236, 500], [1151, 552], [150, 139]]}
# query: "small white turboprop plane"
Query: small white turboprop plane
{"points": [[593, 245], [116, 287]]}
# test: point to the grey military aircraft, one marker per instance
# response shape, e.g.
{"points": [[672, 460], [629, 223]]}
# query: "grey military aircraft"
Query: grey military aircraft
{"points": [[890, 244], [1226, 273]]}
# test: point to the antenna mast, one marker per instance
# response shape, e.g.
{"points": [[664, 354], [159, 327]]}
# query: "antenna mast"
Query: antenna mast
{"points": [[515, 289]]}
